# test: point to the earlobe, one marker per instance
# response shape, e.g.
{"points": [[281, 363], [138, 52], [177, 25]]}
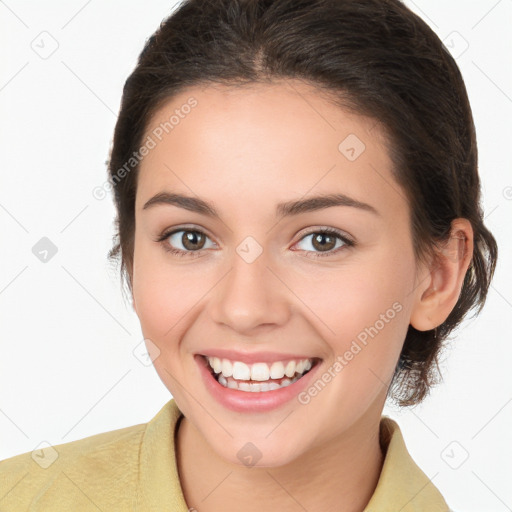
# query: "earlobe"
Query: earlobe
{"points": [[439, 290]]}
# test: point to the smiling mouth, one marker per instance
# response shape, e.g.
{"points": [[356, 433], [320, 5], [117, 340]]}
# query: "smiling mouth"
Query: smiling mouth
{"points": [[258, 377]]}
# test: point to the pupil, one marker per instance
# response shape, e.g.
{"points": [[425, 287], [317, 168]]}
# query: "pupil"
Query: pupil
{"points": [[322, 245], [190, 238]]}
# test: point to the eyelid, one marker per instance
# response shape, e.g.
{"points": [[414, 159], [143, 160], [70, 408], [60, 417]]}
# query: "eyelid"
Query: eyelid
{"points": [[347, 240], [326, 229], [166, 233]]}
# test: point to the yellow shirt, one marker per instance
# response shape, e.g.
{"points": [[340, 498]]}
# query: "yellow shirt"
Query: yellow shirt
{"points": [[134, 469]]}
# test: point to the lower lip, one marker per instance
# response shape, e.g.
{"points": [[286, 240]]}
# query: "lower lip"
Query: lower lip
{"points": [[247, 401]]}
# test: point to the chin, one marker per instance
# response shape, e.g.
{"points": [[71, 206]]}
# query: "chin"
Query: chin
{"points": [[258, 454]]}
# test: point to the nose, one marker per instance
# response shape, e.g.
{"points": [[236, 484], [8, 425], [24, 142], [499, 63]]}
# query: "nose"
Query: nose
{"points": [[251, 297]]}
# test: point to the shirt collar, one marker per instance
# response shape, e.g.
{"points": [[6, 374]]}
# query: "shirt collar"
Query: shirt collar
{"points": [[402, 485]]}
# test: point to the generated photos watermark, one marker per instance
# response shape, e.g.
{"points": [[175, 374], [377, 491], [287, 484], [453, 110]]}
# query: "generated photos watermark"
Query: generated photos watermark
{"points": [[342, 360], [150, 142]]}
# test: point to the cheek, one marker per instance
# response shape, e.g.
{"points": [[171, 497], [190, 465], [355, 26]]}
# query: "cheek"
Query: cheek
{"points": [[362, 313], [166, 298], [164, 294], [369, 323], [347, 301]]}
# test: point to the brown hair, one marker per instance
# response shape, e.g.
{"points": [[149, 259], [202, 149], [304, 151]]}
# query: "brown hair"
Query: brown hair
{"points": [[374, 57]]}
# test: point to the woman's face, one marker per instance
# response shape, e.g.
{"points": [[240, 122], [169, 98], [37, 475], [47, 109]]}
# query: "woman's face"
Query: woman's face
{"points": [[258, 282]]}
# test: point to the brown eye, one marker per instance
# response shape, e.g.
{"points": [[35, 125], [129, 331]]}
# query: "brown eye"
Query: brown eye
{"points": [[193, 240], [325, 242], [185, 241]]}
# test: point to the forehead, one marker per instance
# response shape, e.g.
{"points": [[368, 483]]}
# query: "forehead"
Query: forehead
{"points": [[267, 143]]}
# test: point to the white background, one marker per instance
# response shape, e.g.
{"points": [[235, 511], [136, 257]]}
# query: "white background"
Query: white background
{"points": [[67, 368]]}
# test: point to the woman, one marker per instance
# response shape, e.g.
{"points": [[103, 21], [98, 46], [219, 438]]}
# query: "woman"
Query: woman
{"points": [[300, 230]]}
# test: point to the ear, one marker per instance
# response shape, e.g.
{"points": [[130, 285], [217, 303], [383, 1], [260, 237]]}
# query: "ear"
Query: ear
{"points": [[440, 283]]}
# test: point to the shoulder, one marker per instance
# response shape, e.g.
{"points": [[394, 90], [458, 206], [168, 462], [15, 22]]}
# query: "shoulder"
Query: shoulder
{"points": [[81, 467]]}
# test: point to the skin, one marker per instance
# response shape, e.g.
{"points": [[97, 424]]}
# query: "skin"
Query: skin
{"points": [[245, 150]]}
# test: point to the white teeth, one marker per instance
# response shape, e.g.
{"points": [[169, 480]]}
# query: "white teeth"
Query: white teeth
{"points": [[217, 365], [277, 370], [241, 371], [290, 369], [226, 368], [244, 386], [260, 372], [255, 387]]}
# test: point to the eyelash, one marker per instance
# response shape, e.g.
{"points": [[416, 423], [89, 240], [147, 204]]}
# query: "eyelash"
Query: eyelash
{"points": [[194, 254]]}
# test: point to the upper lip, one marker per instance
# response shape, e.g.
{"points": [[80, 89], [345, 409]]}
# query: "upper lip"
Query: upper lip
{"points": [[253, 357]]}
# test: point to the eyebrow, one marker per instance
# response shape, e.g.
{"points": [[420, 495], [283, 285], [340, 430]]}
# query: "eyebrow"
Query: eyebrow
{"points": [[286, 209]]}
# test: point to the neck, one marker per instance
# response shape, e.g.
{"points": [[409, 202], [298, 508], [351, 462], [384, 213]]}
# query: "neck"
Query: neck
{"points": [[339, 475]]}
